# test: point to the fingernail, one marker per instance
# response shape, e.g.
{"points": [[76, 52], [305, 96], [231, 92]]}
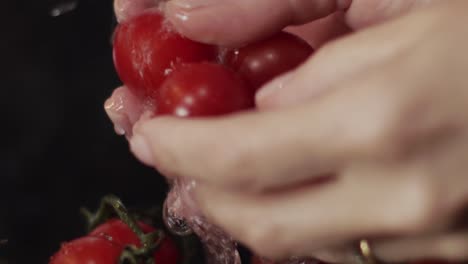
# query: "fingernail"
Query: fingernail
{"points": [[180, 10], [120, 120], [191, 4], [191, 18], [119, 130], [271, 88], [141, 149], [109, 104]]}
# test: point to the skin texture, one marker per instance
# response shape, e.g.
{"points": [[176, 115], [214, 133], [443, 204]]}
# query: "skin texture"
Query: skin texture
{"points": [[382, 108]]}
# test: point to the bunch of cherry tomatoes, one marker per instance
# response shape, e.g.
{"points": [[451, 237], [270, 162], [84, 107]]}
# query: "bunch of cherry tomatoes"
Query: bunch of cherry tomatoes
{"points": [[173, 75], [105, 245], [177, 76], [116, 236]]}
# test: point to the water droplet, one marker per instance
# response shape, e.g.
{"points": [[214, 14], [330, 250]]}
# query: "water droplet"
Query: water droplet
{"points": [[182, 112], [63, 8], [167, 71], [106, 236]]}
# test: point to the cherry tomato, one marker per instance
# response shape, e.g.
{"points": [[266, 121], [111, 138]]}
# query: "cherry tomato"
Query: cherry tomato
{"points": [[261, 61], [88, 250], [146, 48], [167, 253], [203, 89], [105, 244], [119, 233]]}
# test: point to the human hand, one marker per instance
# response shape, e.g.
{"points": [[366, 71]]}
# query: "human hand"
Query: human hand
{"points": [[384, 110]]}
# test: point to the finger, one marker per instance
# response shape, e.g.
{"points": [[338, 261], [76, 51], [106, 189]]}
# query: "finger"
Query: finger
{"points": [[448, 248], [338, 62], [125, 9], [255, 150], [451, 247], [374, 202], [235, 22], [321, 31], [338, 254], [237, 151], [364, 13], [124, 109]]}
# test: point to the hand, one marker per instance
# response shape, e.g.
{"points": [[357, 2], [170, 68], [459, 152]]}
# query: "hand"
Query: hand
{"points": [[384, 110]]}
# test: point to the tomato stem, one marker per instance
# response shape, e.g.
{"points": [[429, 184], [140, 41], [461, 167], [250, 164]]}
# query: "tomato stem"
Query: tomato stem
{"points": [[133, 255], [111, 204]]}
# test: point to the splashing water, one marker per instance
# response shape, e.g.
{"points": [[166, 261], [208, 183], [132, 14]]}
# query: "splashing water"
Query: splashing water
{"points": [[175, 224], [182, 216], [63, 8]]}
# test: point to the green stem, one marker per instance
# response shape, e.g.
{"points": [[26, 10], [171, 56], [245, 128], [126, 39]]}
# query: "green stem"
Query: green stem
{"points": [[112, 204], [127, 257]]}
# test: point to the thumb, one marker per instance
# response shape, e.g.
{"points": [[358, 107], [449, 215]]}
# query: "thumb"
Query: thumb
{"points": [[364, 13], [125, 9], [235, 22]]}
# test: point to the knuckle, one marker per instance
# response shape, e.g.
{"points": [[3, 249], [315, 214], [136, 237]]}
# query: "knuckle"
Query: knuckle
{"points": [[264, 240], [234, 167], [454, 249], [397, 130], [421, 209], [405, 124], [383, 141], [384, 137]]}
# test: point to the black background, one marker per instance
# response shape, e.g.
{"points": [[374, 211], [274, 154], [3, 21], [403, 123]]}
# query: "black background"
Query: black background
{"points": [[58, 150]]}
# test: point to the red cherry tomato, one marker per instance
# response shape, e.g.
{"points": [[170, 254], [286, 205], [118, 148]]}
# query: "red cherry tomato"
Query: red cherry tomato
{"points": [[167, 253], [119, 233], [105, 244], [261, 61], [203, 89], [88, 250], [146, 48]]}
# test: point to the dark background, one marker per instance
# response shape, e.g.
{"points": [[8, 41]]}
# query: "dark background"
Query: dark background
{"points": [[58, 150]]}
